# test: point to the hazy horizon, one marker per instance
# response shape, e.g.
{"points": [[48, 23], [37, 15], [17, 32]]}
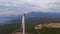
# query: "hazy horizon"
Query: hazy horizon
{"points": [[16, 6]]}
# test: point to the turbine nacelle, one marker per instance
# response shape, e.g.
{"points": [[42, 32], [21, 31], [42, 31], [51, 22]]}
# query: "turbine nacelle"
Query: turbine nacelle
{"points": [[23, 13]]}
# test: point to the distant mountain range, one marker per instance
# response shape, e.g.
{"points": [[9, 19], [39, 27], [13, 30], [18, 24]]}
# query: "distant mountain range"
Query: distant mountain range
{"points": [[30, 15], [43, 15], [33, 15]]}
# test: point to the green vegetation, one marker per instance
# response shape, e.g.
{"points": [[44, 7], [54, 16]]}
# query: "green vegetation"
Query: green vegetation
{"points": [[50, 31], [15, 25]]}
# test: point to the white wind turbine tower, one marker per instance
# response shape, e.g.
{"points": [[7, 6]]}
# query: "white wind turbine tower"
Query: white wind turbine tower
{"points": [[23, 20]]}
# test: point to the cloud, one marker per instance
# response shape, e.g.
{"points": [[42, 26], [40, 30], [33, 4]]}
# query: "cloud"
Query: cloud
{"points": [[54, 7], [8, 13], [15, 6], [41, 4]]}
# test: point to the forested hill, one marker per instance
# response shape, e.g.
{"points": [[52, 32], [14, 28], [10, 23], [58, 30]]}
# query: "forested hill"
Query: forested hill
{"points": [[42, 14], [31, 15], [38, 17]]}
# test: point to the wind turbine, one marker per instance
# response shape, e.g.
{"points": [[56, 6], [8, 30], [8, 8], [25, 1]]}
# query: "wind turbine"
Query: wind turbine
{"points": [[23, 20], [23, 13]]}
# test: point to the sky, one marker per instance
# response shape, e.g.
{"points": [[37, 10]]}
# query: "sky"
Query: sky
{"points": [[8, 7]]}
